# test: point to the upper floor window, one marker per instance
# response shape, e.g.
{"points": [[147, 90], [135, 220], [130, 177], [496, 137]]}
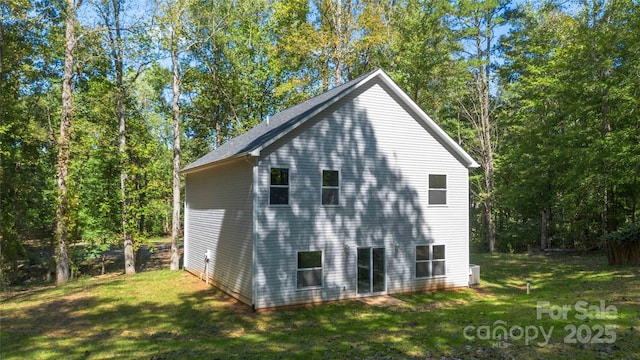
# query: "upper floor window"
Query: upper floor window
{"points": [[279, 187], [437, 189], [330, 187]]}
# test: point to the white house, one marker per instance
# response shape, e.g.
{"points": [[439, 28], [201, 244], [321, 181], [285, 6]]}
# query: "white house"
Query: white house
{"points": [[355, 192]]}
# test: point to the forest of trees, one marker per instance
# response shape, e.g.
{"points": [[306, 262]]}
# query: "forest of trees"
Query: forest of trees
{"points": [[102, 101]]}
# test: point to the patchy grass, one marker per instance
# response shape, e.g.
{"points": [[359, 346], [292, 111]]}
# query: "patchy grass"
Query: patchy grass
{"points": [[165, 315]]}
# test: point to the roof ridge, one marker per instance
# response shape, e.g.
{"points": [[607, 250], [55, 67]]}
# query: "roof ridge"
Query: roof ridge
{"points": [[278, 122], [281, 123]]}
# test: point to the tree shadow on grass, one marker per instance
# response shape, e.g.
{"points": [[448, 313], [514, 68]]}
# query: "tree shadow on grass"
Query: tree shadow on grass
{"points": [[169, 315], [507, 274], [172, 315], [204, 323]]}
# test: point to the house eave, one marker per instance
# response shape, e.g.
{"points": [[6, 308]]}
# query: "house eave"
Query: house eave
{"points": [[242, 156], [473, 165]]}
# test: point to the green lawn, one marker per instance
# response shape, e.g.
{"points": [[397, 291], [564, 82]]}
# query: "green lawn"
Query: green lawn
{"points": [[166, 315]]}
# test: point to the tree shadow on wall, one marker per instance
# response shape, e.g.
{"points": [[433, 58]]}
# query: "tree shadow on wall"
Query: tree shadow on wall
{"points": [[379, 206]]}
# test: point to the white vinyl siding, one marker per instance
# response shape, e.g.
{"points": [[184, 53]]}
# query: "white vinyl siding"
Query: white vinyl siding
{"points": [[384, 155], [218, 219]]}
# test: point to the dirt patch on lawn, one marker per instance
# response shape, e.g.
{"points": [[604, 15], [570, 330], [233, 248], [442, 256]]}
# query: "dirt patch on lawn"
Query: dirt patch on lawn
{"points": [[383, 300], [157, 256]]}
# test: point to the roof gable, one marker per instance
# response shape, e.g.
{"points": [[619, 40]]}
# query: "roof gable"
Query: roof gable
{"points": [[280, 124]]}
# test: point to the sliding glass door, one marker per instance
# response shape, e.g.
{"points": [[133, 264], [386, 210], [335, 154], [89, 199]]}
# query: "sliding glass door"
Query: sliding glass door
{"points": [[371, 270]]}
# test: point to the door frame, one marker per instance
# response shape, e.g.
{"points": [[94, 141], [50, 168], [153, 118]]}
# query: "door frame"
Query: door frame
{"points": [[371, 287]]}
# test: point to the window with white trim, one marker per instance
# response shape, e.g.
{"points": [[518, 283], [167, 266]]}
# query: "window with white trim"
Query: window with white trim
{"points": [[279, 187], [309, 273], [430, 261], [437, 189], [330, 187]]}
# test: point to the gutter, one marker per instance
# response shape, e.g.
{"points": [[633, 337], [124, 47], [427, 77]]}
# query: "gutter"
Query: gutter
{"points": [[243, 155]]}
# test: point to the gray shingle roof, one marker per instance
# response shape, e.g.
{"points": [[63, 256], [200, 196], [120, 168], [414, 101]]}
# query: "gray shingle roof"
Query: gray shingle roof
{"points": [[286, 120], [277, 124]]}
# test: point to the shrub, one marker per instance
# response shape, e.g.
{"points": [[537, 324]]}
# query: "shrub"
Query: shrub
{"points": [[623, 245]]}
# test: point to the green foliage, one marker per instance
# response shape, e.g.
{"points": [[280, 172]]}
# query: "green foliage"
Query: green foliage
{"points": [[420, 56], [318, 45], [563, 99], [27, 150], [629, 234], [572, 120]]}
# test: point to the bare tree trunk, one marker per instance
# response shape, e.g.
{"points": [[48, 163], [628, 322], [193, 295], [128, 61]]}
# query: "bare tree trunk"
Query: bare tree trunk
{"points": [[175, 221], [2, 15], [3, 217], [611, 223], [129, 256], [489, 181], [634, 201], [118, 58], [218, 132], [482, 84], [64, 153], [544, 221]]}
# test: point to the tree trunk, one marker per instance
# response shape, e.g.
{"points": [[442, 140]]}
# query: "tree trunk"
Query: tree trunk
{"points": [[488, 201], [139, 257], [611, 223], [482, 84], [118, 58], [175, 221], [543, 229], [634, 201], [129, 256], [64, 153], [218, 132], [1, 123], [610, 205]]}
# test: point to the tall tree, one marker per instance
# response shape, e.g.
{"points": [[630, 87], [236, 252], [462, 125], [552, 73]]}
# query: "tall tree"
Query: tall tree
{"points": [[337, 25], [293, 58], [478, 23], [175, 216], [569, 165], [229, 84], [64, 143], [117, 54], [110, 12], [32, 50], [174, 21], [529, 81], [419, 59], [322, 43]]}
